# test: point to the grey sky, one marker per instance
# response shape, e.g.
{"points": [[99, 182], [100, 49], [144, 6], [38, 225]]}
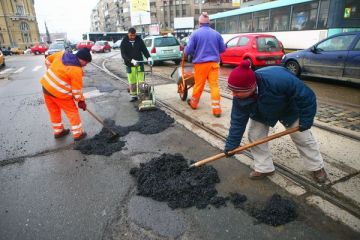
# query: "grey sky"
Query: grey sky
{"points": [[71, 16]]}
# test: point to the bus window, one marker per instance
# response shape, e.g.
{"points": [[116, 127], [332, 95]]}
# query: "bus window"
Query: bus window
{"points": [[220, 25], [304, 16], [261, 21], [280, 19], [351, 10], [245, 23], [323, 14], [232, 24]]}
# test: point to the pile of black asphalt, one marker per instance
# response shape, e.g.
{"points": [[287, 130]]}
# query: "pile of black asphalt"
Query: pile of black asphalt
{"points": [[277, 211], [169, 179], [103, 143]]}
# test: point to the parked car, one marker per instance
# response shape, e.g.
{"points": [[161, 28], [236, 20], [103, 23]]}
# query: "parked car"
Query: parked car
{"points": [[16, 50], [117, 44], [101, 46], [39, 48], [260, 49], [84, 44], [6, 51], [111, 43], [55, 47], [163, 48], [2, 59], [336, 57], [183, 42]]}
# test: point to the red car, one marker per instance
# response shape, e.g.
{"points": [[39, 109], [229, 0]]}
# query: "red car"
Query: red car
{"points": [[101, 46], [84, 44], [39, 48], [260, 49]]}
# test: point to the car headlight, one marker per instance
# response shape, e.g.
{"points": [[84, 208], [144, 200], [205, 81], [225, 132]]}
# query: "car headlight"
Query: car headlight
{"points": [[283, 57]]}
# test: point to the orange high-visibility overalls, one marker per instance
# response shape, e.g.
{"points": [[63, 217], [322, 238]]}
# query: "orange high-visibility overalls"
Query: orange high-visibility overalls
{"points": [[62, 85], [206, 71]]}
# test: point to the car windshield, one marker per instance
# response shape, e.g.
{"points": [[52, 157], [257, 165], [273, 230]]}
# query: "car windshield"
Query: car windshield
{"points": [[267, 44], [57, 46], [165, 42], [100, 43]]}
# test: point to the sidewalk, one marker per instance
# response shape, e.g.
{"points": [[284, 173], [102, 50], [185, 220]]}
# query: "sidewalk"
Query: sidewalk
{"points": [[341, 154]]}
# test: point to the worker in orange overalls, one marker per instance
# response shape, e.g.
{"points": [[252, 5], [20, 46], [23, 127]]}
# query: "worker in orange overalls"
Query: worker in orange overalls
{"points": [[62, 86], [205, 45]]}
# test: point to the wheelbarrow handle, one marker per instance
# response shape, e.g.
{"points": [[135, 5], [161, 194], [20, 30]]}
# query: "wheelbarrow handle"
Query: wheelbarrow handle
{"points": [[242, 148]]}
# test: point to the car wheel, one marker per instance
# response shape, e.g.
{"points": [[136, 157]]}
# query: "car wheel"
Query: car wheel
{"points": [[293, 67], [37, 53], [251, 63]]}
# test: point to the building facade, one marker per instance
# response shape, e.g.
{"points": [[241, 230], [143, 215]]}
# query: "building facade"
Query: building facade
{"points": [[114, 15], [18, 25]]}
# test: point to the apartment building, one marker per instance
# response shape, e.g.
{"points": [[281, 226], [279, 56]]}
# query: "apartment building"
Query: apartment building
{"points": [[18, 25], [114, 15]]}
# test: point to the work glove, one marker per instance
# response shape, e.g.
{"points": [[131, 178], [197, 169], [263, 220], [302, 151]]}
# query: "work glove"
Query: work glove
{"points": [[134, 62], [150, 61], [226, 152], [82, 105]]}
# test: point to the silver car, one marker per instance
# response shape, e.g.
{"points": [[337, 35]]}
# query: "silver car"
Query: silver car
{"points": [[163, 48]]}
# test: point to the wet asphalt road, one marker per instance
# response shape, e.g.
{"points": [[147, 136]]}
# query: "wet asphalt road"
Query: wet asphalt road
{"points": [[48, 190]]}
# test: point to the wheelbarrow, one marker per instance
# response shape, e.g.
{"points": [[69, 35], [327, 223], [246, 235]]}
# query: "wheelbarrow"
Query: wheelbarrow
{"points": [[184, 77]]}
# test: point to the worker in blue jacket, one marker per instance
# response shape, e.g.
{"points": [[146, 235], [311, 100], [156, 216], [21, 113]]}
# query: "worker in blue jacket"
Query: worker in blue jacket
{"points": [[264, 97]]}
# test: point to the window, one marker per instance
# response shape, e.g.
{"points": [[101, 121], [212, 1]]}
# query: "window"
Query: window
{"points": [[148, 42], [261, 21], [243, 41], [245, 23], [267, 44], [184, 12], [280, 19], [165, 41], [304, 16], [232, 43], [323, 14], [24, 27], [352, 9], [356, 48], [232, 24], [20, 10], [220, 25], [339, 43]]}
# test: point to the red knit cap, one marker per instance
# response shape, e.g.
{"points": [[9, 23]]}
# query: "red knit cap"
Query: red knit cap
{"points": [[242, 78]]}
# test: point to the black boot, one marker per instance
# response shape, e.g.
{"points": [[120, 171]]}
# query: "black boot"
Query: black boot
{"points": [[62, 134]]}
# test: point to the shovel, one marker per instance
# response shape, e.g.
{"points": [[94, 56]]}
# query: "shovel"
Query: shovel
{"points": [[115, 135], [246, 146]]}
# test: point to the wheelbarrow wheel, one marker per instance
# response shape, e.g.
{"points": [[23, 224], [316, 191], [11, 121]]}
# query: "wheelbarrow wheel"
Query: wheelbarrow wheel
{"points": [[182, 90]]}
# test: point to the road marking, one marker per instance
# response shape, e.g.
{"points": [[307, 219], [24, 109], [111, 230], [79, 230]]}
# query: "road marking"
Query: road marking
{"points": [[36, 68], [6, 70], [20, 70], [92, 94]]}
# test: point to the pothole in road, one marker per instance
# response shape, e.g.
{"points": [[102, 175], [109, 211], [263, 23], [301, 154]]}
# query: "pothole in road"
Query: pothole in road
{"points": [[168, 178], [150, 122]]}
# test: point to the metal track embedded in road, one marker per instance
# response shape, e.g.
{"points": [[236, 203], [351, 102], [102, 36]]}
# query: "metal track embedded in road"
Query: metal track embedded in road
{"points": [[322, 191]]}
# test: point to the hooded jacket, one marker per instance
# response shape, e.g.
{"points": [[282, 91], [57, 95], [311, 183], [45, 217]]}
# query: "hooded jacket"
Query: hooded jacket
{"points": [[133, 51], [63, 79], [205, 45], [281, 96]]}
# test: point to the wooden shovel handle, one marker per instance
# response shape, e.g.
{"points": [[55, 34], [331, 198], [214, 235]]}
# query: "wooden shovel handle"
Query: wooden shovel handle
{"points": [[249, 145], [100, 121]]}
